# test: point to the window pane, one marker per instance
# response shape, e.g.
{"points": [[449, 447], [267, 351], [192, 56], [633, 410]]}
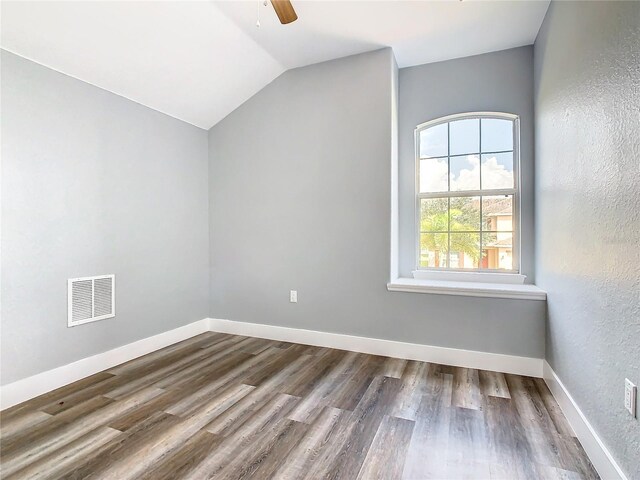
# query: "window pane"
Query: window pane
{"points": [[497, 251], [464, 136], [465, 214], [433, 175], [465, 250], [497, 135], [497, 213], [433, 215], [465, 173], [434, 141], [497, 170], [433, 250]]}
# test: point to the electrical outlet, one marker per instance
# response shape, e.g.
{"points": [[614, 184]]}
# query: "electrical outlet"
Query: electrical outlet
{"points": [[630, 397], [293, 296]]}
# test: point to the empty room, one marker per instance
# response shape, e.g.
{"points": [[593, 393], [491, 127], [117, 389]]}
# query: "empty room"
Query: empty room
{"points": [[273, 239]]}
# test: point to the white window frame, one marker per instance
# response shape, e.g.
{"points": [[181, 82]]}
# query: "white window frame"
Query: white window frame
{"points": [[477, 275]]}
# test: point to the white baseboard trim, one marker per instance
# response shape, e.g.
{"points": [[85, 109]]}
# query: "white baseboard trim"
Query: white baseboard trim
{"points": [[411, 351], [596, 450], [30, 387]]}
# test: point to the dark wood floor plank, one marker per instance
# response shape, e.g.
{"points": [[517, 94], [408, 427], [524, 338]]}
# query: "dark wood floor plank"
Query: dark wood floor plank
{"points": [[190, 403], [413, 387], [20, 423], [59, 438], [314, 374], [51, 425], [273, 366], [553, 409], [120, 447], [144, 455], [66, 402], [321, 432], [531, 409], [187, 457], [493, 384], [61, 461], [37, 403], [267, 453], [232, 407], [577, 459], [253, 402], [256, 345], [145, 363], [142, 412], [240, 442], [344, 458], [311, 350], [313, 403], [393, 367], [190, 379], [354, 383], [466, 388], [193, 362]]}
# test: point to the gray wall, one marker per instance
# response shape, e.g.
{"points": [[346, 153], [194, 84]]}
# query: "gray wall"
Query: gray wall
{"points": [[92, 184], [587, 98], [492, 82], [300, 199]]}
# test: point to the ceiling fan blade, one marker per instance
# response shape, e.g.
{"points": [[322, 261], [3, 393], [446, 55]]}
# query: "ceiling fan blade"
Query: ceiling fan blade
{"points": [[285, 11]]}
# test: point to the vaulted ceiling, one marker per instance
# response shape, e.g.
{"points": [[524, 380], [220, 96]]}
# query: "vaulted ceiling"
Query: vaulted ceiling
{"points": [[199, 60]]}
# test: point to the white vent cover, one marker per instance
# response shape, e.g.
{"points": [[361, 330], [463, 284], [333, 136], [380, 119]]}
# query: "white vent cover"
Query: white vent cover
{"points": [[91, 299]]}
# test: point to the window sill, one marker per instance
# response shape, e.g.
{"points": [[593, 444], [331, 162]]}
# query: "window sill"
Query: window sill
{"points": [[475, 277], [468, 289]]}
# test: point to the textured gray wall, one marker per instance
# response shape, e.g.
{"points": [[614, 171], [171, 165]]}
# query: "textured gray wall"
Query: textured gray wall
{"points": [[92, 184], [492, 82], [300, 199], [587, 97]]}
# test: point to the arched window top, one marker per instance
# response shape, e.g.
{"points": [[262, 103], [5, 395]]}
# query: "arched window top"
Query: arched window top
{"points": [[467, 192], [466, 115]]}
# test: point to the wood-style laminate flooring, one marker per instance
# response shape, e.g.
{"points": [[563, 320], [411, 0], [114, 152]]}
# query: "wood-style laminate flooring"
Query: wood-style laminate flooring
{"points": [[230, 407]]}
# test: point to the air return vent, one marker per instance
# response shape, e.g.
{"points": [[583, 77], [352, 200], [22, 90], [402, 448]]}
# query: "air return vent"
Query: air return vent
{"points": [[91, 299]]}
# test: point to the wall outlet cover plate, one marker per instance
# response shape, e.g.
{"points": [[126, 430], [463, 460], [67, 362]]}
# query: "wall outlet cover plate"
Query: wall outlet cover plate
{"points": [[630, 396]]}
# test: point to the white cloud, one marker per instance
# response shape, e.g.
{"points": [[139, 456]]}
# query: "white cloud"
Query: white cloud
{"points": [[468, 178], [433, 175], [495, 175]]}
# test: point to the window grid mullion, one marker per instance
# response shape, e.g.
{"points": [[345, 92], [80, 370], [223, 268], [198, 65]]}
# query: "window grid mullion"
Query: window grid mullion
{"points": [[497, 152], [449, 198], [468, 193], [449, 233], [480, 160], [466, 231]]}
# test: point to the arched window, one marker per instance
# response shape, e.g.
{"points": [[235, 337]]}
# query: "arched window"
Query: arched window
{"points": [[467, 193]]}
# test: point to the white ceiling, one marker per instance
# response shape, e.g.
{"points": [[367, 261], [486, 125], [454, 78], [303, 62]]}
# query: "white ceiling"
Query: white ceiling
{"points": [[199, 60], [419, 31]]}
